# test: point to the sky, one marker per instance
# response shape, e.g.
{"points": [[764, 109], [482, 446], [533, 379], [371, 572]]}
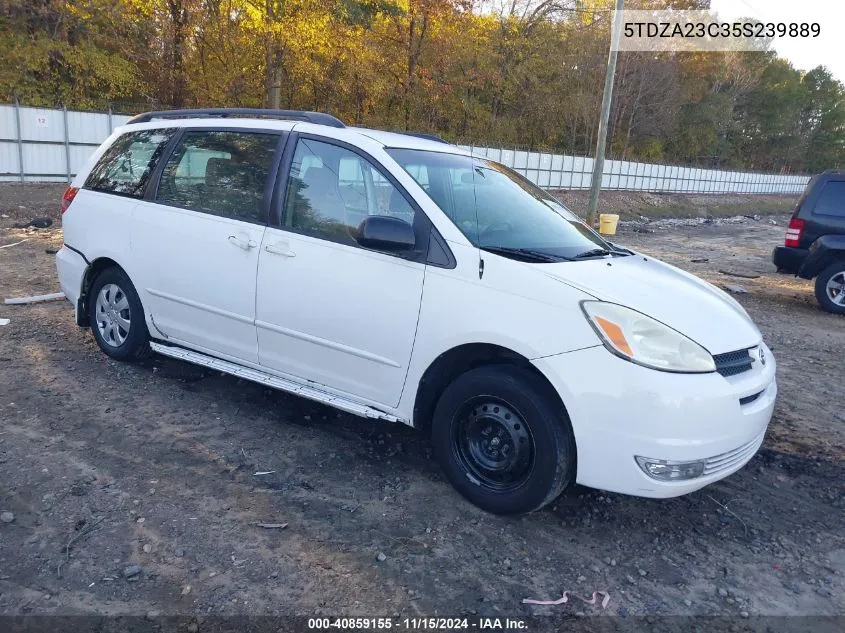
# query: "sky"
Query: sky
{"points": [[805, 54]]}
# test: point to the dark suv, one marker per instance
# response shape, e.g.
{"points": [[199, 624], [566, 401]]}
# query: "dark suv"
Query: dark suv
{"points": [[815, 240]]}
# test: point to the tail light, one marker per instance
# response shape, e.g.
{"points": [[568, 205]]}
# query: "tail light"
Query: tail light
{"points": [[793, 233], [70, 194]]}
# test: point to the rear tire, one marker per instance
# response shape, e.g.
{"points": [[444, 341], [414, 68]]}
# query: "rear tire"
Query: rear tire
{"points": [[503, 440], [117, 317], [830, 288]]}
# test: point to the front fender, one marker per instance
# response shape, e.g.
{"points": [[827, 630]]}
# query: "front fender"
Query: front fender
{"points": [[823, 252]]}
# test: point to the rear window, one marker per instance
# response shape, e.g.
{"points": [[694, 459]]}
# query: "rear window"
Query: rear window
{"points": [[125, 167], [832, 199]]}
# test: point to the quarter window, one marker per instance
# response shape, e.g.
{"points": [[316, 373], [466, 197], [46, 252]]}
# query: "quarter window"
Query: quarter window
{"points": [[220, 173], [125, 167], [332, 189], [832, 199]]}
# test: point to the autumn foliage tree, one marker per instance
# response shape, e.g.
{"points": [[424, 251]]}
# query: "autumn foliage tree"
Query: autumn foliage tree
{"points": [[525, 73]]}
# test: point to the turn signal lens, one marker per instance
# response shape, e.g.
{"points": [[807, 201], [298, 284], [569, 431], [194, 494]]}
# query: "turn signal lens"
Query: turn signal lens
{"points": [[614, 335]]}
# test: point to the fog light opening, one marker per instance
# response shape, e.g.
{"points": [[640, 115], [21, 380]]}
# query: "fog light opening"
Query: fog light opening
{"points": [[666, 470]]}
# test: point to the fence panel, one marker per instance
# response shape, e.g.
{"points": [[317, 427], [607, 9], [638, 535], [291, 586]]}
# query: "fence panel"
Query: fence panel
{"points": [[51, 145]]}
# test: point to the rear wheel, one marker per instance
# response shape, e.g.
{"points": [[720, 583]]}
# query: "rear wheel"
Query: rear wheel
{"points": [[117, 317], [503, 440], [830, 288]]}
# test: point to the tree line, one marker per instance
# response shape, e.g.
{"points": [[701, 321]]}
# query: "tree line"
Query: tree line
{"points": [[517, 73]]}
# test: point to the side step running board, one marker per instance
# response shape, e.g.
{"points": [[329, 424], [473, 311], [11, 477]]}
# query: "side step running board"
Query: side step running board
{"points": [[282, 384]]}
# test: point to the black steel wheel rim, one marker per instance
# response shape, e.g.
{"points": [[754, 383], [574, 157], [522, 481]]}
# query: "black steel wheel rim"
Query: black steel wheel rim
{"points": [[493, 443]]}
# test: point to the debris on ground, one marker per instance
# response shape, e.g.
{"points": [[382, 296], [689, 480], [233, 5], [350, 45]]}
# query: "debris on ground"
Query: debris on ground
{"points": [[14, 244], [130, 571], [4, 321], [41, 223], [737, 290], [7, 517], [699, 261], [272, 526], [263, 472], [381, 557], [605, 599], [743, 275], [51, 251], [35, 299]]}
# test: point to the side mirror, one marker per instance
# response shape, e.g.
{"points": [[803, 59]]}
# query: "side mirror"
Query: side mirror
{"points": [[382, 232]]}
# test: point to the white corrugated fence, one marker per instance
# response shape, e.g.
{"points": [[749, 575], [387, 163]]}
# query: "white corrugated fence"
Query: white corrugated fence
{"points": [[50, 145]]}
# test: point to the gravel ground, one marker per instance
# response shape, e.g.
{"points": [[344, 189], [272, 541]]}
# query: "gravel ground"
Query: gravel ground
{"points": [[131, 489]]}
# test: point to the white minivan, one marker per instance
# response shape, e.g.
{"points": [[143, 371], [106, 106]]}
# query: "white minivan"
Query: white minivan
{"points": [[398, 277]]}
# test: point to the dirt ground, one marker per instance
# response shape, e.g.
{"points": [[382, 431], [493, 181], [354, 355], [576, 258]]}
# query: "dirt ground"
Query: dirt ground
{"points": [[106, 466], [636, 205]]}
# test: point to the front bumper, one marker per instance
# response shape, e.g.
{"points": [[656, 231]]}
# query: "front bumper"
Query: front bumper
{"points": [[620, 410]]}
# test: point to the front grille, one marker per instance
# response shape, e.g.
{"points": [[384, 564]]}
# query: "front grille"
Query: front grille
{"points": [[725, 461], [733, 363]]}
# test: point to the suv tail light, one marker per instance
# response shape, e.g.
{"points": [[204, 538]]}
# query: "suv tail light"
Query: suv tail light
{"points": [[70, 194], [793, 233]]}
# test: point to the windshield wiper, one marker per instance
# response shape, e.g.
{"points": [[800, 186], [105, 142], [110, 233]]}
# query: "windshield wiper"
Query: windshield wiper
{"points": [[526, 252], [593, 252]]}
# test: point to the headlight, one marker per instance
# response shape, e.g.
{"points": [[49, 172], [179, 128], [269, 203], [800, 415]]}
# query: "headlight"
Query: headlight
{"points": [[640, 339]]}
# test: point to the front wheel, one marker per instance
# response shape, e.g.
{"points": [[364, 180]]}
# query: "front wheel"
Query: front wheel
{"points": [[117, 317], [503, 440], [830, 288]]}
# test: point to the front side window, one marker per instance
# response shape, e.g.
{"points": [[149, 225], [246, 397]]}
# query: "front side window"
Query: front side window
{"points": [[219, 173], [499, 210], [832, 199], [125, 167], [332, 189]]}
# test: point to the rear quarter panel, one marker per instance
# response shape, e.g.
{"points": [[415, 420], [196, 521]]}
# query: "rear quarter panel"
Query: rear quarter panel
{"points": [[99, 225]]}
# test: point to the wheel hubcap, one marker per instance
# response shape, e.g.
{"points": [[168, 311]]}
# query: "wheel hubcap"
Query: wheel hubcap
{"points": [[494, 444], [112, 315], [836, 288]]}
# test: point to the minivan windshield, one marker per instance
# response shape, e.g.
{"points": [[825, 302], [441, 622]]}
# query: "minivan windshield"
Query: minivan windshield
{"points": [[499, 210]]}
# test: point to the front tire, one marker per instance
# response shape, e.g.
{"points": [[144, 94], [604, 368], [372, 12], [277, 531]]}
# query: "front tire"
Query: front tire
{"points": [[830, 288], [503, 440], [117, 317]]}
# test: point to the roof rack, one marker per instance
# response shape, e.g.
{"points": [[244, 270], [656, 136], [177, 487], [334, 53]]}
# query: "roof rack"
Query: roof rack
{"points": [[297, 115], [427, 136]]}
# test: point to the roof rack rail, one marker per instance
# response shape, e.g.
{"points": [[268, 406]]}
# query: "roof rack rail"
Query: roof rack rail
{"points": [[427, 136], [297, 115]]}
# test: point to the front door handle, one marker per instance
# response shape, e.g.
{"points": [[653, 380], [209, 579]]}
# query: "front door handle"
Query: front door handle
{"points": [[245, 244], [280, 248]]}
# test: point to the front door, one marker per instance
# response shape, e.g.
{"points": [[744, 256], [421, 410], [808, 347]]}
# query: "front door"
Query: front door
{"points": [[328, 310], [196, 244]]}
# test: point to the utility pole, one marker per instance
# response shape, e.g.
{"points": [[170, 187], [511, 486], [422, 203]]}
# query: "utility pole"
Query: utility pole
{"points": [[598, 165]]}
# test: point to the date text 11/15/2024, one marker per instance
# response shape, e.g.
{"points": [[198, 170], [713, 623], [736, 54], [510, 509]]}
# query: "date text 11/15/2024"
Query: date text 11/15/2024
{"points": [[418, 624]]}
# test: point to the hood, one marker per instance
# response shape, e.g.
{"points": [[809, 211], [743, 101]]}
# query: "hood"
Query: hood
{"points": [[672, 296]]}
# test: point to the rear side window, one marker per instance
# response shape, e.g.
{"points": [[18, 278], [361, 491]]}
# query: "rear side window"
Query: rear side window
{"points": [[832, 199], [220, 173], [126, 165]]}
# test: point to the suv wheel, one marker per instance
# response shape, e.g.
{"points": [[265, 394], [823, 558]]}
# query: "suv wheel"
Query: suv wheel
{"points": [[503, 441], [830, 288], [116, 316]]}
